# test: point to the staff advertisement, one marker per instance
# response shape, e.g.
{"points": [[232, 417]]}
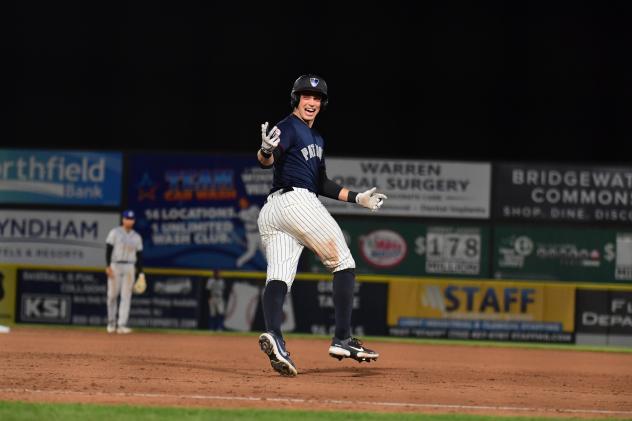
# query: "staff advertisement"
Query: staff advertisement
{"points": [[55, 238], [415, 188], [566, 254], [402, 247], [38, 176], [557, 192], [7, 295], [73, 297], [512, 311], [199, 211]]}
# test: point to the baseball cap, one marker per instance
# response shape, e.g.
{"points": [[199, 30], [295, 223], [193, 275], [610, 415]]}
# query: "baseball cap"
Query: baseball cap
{"points": [[129, 214]]}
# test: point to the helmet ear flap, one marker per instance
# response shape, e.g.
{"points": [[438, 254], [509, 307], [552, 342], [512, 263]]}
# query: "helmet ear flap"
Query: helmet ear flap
{"points": [[294, 100]]}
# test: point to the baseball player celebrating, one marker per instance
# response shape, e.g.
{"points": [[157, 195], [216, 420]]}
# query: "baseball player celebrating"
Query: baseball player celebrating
{"points": [[123, 257], [293, 218]]}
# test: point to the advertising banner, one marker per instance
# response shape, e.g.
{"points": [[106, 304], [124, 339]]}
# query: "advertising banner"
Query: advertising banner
{"points": [[604, 312], [404, 247], [567, 254], [60, 177], [314, 307], [55, 238], [80, 298], [199, 211], [481, 310], [308, 308], [415, 188], [7, 295], [558, 192]]}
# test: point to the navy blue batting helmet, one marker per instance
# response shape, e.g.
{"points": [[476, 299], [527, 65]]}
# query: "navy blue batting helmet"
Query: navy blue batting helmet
{"points": [[309, 83]]}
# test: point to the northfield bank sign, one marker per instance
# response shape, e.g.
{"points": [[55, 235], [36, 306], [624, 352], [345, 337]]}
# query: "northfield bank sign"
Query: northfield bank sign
{"points": [[60, 177]]}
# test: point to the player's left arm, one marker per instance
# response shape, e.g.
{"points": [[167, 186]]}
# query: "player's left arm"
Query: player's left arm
{"points": [[139, 258], [369, 199], [140, 285]]}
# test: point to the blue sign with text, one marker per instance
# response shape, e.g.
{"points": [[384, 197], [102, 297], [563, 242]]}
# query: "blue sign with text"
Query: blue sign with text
{"points": [[60, 177], [199, 211]]}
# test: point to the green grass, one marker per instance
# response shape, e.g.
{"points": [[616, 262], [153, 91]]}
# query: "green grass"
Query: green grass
{"points": [[393, 339], [21, 411]]}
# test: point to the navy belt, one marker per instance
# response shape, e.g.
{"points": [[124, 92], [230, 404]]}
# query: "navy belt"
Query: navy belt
{"points": [[123, 262], [283, 189]]}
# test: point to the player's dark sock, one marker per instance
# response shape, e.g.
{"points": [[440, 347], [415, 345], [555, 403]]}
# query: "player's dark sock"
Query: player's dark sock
{"points": [[344, 281], [272, 300]]}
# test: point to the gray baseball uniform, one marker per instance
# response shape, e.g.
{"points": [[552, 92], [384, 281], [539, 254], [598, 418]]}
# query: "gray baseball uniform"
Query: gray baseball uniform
{"points": [[125, 246]]}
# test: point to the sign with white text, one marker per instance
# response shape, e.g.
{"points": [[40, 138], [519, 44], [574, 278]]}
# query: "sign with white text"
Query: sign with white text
{"points": [[60, 177], [199, 211], [557, 192]]}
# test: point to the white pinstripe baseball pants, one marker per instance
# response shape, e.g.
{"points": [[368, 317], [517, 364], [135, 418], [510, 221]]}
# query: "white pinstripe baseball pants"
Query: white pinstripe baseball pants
{"points": [[296, 219]]}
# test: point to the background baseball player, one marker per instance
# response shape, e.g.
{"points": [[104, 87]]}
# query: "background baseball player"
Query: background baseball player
{"points": [[216, 306], [123, 257], [249, 215], [293, 218]]}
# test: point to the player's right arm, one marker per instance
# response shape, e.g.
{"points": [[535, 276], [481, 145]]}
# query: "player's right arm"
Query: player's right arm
{"points": [[269, 142], [109, 248]]}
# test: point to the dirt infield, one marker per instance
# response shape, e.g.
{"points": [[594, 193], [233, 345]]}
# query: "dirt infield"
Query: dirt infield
{"points": [[76, 365]]}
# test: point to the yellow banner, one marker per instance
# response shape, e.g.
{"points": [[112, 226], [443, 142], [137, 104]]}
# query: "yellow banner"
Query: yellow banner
{"points": [[7, 295], [434, 299]]}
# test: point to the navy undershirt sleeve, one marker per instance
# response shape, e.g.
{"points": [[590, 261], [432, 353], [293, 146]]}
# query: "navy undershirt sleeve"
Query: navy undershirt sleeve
{"points": [[327, 187]]}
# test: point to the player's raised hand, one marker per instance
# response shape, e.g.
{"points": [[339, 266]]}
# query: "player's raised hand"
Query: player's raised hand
{"points": [[370, 199], [269, 141]]}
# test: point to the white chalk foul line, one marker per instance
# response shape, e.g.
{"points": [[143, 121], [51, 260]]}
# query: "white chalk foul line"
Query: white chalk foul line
{"points": [[324, 401]]}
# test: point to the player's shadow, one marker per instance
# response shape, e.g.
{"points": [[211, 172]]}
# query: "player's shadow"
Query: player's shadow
{"points": [[364, 371], [346, 371]]}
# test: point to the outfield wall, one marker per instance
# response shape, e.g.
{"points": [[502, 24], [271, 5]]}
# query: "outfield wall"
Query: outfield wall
{"points": [[480, 309], [468, 250]]}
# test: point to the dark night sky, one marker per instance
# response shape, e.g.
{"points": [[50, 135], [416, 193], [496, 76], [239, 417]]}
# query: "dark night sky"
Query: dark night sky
{"points": [[546, 81]]}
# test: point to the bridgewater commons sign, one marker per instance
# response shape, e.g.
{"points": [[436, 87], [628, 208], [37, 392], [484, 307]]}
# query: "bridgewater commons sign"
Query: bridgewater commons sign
{"points": [[563, 193]]}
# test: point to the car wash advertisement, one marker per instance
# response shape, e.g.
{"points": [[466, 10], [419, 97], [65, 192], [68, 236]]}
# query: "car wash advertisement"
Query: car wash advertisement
{"points": [[401, 247], [487, 310], [566, 254], [199, 211]]}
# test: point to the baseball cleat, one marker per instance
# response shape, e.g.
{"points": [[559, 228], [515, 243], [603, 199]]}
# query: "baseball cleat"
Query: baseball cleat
{"points": [[351, 348], [110, 328], [123, 330], [274, 348]]}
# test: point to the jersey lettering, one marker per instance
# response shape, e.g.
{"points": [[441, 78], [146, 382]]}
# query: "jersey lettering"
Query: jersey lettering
{"points": [[311, 151]]}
